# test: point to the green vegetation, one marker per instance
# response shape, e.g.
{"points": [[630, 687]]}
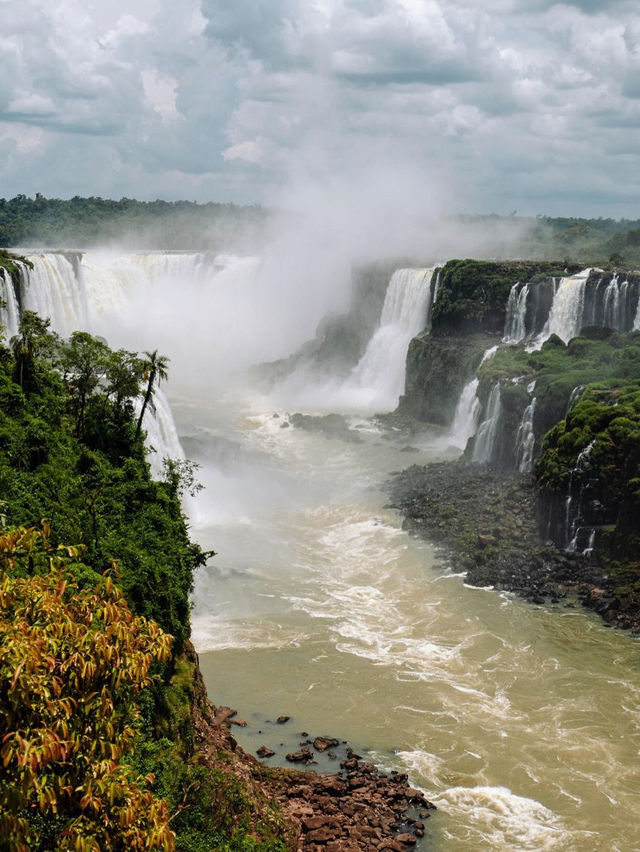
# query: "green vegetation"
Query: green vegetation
{"points": [[473, 294], [72, 453], [72, 662], [83, 222]]}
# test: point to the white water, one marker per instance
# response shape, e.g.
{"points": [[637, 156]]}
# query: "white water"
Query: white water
{"points": [[573, 505], [567, 309], [488, 430], [465, 418], [162, 436], [468, 409], [9, 314], [525, 439], [521, 723], [515, 325], [612, 303], [376, 382]]}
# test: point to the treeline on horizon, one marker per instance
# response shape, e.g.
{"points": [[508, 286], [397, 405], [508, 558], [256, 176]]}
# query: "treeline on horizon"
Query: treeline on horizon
{"points": [[171, 225], [187, 225]]}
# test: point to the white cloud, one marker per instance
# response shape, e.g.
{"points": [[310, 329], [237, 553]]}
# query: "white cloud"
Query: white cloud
{"points": [[234, 99], [161, 93], [251, 151]]}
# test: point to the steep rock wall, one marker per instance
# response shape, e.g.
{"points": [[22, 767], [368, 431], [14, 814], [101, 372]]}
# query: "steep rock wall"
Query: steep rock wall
{"points": [[436, 373]]}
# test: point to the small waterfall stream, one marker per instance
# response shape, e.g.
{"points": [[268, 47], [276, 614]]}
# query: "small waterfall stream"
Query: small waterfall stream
{"points": [[574, 501], [465, 419], [488, 430], [525, 439], [9, 311], [468, 409], [515, 328]]}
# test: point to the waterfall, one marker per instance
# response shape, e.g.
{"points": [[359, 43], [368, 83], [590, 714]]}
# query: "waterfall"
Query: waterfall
{"points": [[573, 505], [574, 396], [612, 303], [515, 328], [525, 439], [579, 300], [565, 317], [465, 419], [378, 379], [52, 289], [488, 431], [10, 312], [79, 291]]}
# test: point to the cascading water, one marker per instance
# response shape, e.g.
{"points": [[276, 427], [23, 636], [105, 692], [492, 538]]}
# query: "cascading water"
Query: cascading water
{"points": [[612, 303], [574, 396], [162, 436], [488, 430], [565, 317], [525, 439], [468, 408], [574, 501], [465, 419], [9, 310], [515, 326], [378, 379], [52, 289]]}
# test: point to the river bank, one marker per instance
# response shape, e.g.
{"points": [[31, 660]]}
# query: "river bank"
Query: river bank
{"points": [[488, 519], [356, 808]]}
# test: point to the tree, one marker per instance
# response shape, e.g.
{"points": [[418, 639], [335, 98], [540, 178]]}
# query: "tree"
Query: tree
{"points": [[85, 360], [72, 663], [32, 339], [123, 374], [154, 370]]}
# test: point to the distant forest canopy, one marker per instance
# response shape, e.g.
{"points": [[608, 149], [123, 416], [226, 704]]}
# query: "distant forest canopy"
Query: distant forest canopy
{"points": [[170, 225], [186, 225]]}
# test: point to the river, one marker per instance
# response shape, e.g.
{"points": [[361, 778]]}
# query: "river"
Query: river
{"points": [[521, 723]]}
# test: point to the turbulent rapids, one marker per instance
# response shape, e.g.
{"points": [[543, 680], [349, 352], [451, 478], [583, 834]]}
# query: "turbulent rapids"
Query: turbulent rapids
{"points": [[521, 723]]}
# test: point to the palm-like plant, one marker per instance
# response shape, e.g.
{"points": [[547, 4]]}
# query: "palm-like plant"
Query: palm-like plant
{"points": [[154, 370]]}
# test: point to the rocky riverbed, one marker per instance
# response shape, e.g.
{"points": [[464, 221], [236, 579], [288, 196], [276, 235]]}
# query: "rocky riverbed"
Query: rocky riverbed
{"points": [[356, 808], [488, 519]]}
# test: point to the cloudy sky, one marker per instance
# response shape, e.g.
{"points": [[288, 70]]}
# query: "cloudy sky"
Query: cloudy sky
{"points": [[530, 105]]}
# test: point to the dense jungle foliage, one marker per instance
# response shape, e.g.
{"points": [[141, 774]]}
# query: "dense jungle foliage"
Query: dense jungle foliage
{"points": [[94, 553]]}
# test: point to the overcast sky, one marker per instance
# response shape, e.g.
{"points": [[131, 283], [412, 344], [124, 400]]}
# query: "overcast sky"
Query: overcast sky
{"points": [[489, 106]]}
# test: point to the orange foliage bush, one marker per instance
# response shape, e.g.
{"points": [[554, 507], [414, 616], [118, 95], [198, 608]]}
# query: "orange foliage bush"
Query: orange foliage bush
{"points": [[72, 662]]}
